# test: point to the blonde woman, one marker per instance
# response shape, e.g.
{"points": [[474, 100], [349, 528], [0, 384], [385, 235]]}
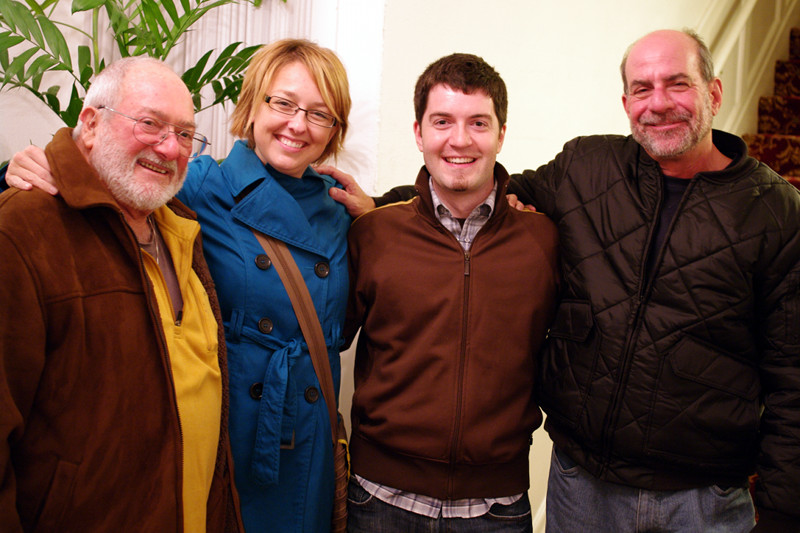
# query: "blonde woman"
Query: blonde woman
{"points": [[292, 111]]}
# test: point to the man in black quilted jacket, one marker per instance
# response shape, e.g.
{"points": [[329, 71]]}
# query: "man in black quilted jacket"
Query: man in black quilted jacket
{"points": [[672, 370]]}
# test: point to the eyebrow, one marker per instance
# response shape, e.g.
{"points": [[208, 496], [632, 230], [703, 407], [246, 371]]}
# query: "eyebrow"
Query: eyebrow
{"points": [[673, 77], [160, 116], [289, 95], [484, 116]]}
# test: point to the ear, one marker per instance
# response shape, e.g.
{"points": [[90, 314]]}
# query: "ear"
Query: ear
{"points": [[418, 134], [625, 102], [501, 138], [90, 118], [715, 88]]}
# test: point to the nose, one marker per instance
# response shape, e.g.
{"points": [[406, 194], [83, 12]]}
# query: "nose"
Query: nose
{"points": [[297, 122], [169, 149], [460, 136], [660, 100]]}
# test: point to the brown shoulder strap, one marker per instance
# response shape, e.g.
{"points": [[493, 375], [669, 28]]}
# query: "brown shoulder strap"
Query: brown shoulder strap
{"points": [[306, 315]]}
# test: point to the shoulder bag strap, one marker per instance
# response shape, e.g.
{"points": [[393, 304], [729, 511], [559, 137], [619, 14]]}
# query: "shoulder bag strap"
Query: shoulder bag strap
{"points": [[306, 315]]}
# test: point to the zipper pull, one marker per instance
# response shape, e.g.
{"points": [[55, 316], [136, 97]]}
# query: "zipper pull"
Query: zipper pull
{"points": [[466, 263]]}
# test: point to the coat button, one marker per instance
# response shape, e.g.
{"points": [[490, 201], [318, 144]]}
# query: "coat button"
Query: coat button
{"points": [[255, 390], [263, 261], [322, 269], [265, 325], [311, 394]]}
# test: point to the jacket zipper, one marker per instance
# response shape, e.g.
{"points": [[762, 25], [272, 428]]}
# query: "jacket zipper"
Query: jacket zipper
{"points": [[612, 415], [156, 320], [461, 364]]}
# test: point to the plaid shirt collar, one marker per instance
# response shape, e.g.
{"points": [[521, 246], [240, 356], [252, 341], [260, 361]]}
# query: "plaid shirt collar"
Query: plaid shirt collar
{"points": [[465, 233]]}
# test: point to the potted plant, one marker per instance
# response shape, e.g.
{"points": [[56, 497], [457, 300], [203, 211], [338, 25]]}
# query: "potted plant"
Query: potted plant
{"points": [[137, 26]]}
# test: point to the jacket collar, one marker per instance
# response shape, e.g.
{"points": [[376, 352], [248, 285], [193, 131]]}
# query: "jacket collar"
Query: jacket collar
{"points": [[426, 202], [78, 183], [249, 169], [263, 204], [730, 145]]}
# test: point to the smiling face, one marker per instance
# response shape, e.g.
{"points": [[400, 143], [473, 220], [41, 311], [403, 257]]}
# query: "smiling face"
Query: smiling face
{"points": [[289, 143], [139, 176], [669, 104], [459, 137]]}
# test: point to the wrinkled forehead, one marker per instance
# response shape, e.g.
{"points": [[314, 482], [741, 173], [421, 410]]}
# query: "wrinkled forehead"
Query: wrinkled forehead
{"points": [[663, 57], [157, 92]]}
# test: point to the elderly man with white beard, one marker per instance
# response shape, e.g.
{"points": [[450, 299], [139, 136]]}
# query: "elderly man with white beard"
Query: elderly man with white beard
{"points": [[113, 401]]}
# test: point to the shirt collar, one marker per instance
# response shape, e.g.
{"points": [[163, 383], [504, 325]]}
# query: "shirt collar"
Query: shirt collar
{"points": [[485, 208]]}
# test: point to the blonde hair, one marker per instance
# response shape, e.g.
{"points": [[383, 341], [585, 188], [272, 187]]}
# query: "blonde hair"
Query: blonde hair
{"points": [[326, 69]]}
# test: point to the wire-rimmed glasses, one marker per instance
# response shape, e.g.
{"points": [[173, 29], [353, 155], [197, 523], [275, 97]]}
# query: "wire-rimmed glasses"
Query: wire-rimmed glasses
{"points": [[152, 131]]}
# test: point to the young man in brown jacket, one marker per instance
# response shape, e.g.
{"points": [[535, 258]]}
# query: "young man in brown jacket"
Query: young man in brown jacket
{"points": [[443, 408], [113, 400]]}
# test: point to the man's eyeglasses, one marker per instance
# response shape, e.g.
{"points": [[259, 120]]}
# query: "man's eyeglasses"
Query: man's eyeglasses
{"points": [[151, 131], [287, 107]]}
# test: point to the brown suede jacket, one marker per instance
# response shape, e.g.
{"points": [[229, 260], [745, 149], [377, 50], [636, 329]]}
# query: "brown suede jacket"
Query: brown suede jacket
{"points": [[91, 439], [446, 359]]}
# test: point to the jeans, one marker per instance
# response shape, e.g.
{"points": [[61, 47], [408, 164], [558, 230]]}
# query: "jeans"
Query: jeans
{"points": [[579, 502], [368, 514]]}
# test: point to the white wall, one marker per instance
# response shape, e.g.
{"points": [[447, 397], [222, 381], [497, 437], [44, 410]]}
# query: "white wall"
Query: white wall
{"points": [[560, 61]]}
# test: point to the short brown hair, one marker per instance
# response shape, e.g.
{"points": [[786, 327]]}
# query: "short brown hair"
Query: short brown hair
{"points": [[467, 73], [326, 69]]}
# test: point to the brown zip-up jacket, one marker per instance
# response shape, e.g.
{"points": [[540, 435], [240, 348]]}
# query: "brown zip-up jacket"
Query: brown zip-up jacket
{"points": [[91, 438], [446, 359]]}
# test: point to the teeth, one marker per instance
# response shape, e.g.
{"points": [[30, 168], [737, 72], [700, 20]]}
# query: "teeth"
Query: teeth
{"points": [[291, 144], [459, 160], [148, 165]]}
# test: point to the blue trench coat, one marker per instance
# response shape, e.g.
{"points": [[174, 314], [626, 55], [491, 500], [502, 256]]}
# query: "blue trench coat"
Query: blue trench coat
{"points": [[279, 425]]}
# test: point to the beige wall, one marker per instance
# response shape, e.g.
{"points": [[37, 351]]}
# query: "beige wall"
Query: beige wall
{"points": [[559, 60]]}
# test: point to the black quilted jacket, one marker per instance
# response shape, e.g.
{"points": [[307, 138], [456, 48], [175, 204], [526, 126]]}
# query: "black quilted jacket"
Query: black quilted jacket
{"points": [[693, 377]]}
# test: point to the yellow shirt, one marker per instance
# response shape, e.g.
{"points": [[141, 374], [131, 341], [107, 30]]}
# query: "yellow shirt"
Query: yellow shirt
{"points": [[192, 345]]}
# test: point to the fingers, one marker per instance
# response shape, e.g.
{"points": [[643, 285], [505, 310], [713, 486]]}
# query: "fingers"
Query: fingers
{"points": [[37, 156], [356, 203], [28, 169], [352, 196], [18, 183], [342, 177], [515, 203]]}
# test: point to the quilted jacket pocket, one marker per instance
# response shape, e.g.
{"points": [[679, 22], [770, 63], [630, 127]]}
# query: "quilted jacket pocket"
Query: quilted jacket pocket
{"points": [[719, 371], [709, 398], [573, 321]]}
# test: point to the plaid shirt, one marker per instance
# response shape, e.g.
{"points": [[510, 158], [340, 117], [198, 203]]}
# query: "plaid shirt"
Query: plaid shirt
{"points": [[431, 507], [418, 503]]}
